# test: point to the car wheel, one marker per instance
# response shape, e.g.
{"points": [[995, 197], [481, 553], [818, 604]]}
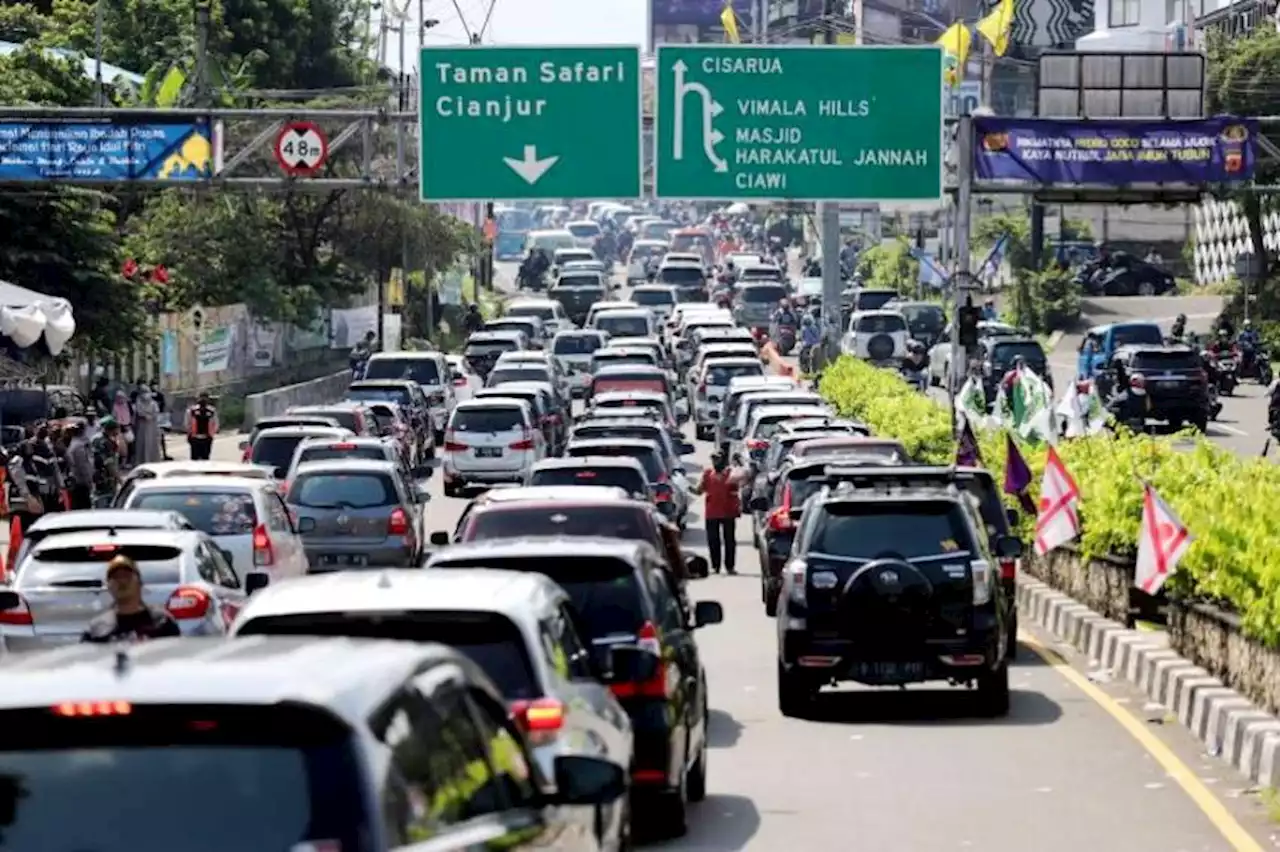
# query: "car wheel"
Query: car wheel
{"points": [[1146, 288], [672, 813], [438, 438], [1011, 651], [796, 694], [771, 602], [993, 691], [697, 783], [1201, 422]]}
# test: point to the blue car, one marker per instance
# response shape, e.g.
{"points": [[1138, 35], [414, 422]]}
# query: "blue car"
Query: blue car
{"points": [[1102, 341]]}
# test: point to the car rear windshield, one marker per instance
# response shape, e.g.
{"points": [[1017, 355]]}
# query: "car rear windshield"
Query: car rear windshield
{"points": [[489, 347], [653, 297], [890, 530], [489, 419], [1161, 361], [339, 451], [503, 375], [212, 512], [719, 376], [347, 418], [289, 774], [490, 640], [619, 359], [285, 422], [925, 317], [625, 522], [424, 371], [634, 406], [621, 325], [619, 477], [881, 324], [763, 293], [275, 450], [86, 566], [544, 312], [1130, 334], [576, 344], [584, 230], [604, 590], [685, 275], [769, 425], [874, 300], [863, 449], [581, 282], [647, 456], [343, 491], [400, 396], [1029, 351]]}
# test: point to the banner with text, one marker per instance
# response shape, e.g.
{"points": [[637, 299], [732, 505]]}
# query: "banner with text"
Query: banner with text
{"points": [[1115, 153], [105, 151]]}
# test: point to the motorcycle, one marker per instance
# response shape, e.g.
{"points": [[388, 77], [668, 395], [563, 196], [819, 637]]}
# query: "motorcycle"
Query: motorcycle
{"points": [[916, 376], [1225, 372], [786, 339], [1255, 363]]}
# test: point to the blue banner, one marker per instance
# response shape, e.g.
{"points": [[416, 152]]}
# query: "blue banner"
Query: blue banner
{"points": [[1114, 153], [105, 151]]}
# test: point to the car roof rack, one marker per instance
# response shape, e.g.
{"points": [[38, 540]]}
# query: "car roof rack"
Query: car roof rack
{"points": [[891, 476]]}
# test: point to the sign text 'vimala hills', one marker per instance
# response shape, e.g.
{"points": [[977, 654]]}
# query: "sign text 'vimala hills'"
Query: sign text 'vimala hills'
{"points": [[799, 122], [529, 123]]}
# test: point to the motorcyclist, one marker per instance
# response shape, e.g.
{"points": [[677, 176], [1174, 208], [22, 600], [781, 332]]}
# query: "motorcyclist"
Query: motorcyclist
{"points": [[533, 267], [785, 316], [813, 268], [989, 312], [1221, 345], [360, 353], [810, 335], [1249, 335], [1179, 327], [473, 321], [917, 356]]}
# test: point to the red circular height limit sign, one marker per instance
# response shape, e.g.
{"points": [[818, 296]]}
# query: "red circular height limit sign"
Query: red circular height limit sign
{"points": [[301, 148]]}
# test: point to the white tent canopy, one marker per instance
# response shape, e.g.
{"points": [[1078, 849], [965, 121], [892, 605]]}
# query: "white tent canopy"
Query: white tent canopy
{"points": [[25, 315]]}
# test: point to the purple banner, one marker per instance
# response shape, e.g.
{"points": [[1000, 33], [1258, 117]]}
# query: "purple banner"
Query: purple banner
{"points": [[1114, 152], [704, 13]]}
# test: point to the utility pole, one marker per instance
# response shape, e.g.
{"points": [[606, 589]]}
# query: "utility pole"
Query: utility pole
{"points": [[204, 93], [829, 218], [100, 93], [960, 281]]}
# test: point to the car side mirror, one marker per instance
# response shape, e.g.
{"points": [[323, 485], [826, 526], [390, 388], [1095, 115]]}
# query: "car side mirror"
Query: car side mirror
{"points": [[10, 600], [422, 492], [629, 664], [735, 434], [759, 504], [439, 539], [584, 780], [697, 566], [707, 612], [306, 525], [1008, 547], [686, 448], [256, 581]]}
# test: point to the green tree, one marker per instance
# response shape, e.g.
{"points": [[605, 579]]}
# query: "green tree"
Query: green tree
{"points": [[890, 265]]}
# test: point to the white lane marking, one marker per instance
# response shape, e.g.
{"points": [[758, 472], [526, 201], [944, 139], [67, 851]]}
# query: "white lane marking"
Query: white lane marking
{"points": [[1230, 430]]}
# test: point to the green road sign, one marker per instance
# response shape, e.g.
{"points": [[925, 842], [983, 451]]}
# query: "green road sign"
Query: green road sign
{"points": [[529, 123], [799, 122]]}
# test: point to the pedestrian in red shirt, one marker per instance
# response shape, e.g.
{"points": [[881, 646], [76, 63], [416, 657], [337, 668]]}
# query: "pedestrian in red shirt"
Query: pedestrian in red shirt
{"points": [[720, 486]]}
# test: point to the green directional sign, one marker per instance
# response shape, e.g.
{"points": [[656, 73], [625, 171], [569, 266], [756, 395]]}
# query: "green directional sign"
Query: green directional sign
{"points": [[799, 122], [529, 123]]}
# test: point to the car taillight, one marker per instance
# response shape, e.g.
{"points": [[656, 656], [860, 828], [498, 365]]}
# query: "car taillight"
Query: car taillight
{"points": [[263, 552], [780, 518], [795, 574], [525, 443], [84, 709], [398, 523], [1137, 381], [702, 388], [347, 446], [19, 616], [981, 570], [452, 444], [1008, 569], [188, 602], [757, 444], [540, 719], [656, 686], [662, 493]]}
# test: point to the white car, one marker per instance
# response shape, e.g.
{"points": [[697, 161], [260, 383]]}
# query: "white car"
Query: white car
{"points": [[659, 298], [165, 469], [626, 322], [537, 358], [877, 336], [569, 255], [247, 518], [710, 382], [549, 311], [607, 305], [642, 253], [488, 441], [573, 349], [584, 231], [429, 369], [940, 354]]}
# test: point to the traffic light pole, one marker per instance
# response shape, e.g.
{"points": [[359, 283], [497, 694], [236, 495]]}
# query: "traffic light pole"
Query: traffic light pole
{"points": [[960, 279]]}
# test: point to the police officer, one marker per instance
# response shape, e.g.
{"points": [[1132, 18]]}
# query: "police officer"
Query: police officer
{"points": [[202, 425]]}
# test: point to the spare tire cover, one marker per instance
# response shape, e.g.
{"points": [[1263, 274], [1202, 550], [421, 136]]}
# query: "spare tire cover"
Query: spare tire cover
{"points": [[887, 602], [880, 347]]}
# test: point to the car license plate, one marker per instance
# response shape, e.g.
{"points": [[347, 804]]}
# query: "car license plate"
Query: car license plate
{"points": [[1168, 385], [488, 452], [887, 672], [351, 559]]}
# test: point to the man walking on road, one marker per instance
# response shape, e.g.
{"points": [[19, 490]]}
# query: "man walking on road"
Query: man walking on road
{"points": [[720, 486], [202, 425]]}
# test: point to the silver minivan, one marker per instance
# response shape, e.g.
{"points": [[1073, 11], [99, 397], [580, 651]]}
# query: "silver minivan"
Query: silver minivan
{"points": [[489, 441], [429, 369], [573, 349]]}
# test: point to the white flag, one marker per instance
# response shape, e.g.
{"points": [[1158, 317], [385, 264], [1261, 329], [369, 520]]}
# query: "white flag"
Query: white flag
{"points": [[1082, 410], [1058, 520], [1162, 540]]}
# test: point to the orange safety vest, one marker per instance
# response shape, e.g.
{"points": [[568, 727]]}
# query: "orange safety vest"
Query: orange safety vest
{"points": [[199, 429]]}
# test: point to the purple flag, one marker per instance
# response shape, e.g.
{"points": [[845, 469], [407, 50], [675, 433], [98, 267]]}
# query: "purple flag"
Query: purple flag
{"points": [[967, 452], [1017, 475]]}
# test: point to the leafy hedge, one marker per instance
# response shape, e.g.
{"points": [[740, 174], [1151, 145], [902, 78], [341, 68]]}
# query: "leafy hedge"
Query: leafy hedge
{"points": [[1229, 503]]}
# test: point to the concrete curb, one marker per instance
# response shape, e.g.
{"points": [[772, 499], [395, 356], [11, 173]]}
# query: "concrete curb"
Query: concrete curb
{"points": [[1055, 339], [1231, 728]]}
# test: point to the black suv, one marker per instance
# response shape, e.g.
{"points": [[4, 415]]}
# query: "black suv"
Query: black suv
{"points": [[1172, 379], [999, 354], [893, 581]]}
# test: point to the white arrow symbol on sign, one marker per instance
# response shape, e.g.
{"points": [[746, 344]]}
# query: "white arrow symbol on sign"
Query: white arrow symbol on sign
{"points": [[530, 168]]}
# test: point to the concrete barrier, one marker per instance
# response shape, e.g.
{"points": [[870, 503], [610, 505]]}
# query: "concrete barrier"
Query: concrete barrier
{"points": [[314, 392]]}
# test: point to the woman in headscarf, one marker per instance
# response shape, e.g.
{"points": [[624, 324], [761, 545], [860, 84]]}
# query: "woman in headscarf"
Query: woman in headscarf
{"points": [[146, 432], [122, 411]]}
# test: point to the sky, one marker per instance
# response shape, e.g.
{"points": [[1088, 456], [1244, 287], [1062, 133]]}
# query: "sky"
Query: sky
{"points": [[550, 22]]}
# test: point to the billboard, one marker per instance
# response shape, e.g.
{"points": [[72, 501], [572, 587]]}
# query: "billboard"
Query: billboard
{"points": [[86, 151], [695, 21], [1115, 153]]}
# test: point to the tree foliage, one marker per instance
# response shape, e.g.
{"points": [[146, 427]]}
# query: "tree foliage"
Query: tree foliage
{"points": [[286, 254]]}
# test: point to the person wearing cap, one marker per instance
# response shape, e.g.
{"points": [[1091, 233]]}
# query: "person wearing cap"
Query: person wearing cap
{"points": [[130, 619], [202, 425]]}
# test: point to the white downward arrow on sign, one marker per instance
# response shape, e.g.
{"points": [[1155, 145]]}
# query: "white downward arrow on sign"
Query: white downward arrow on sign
{"points": [[530, 168]]}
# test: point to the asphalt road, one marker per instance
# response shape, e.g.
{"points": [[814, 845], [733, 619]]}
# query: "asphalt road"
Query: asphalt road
{"points": [[915, 771]]}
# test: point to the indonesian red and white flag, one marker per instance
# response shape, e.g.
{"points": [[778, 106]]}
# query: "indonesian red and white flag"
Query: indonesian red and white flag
{"points": [[1162, 540], [1058, 520]]}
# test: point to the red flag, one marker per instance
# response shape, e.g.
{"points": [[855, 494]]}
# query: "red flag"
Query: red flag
{"points": [[1058, 521], [130, 269], [15, 542], [160, 275], [1162, 540]]}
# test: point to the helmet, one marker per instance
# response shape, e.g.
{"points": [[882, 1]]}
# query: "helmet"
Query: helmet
{"points": [[806, 320], [1248, 323], [1181, 318]]}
